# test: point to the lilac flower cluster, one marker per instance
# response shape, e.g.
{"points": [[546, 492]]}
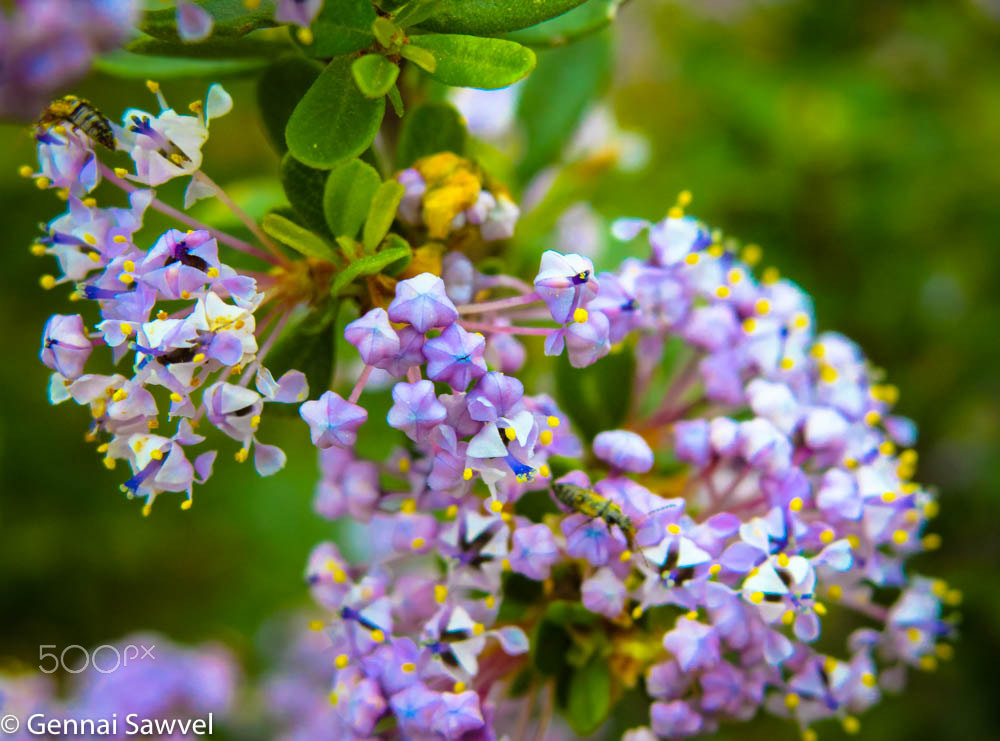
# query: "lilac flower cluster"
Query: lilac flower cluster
{"points": [[172, 683], [795, 492], [174, 309], [46, 44]]}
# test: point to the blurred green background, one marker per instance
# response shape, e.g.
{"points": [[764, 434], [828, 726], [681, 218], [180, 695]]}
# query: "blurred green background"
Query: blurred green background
{"points": [[857, 142]]}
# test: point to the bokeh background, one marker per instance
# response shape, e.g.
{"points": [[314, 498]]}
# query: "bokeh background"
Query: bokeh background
{"points": [[858, 142]]}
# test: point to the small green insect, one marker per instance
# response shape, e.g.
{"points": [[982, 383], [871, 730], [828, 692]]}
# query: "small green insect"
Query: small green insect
{"points": [[593, 505], [82, 115]]}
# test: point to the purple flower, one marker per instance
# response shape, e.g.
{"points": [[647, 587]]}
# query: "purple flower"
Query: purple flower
{"points": [[590, 538], [416, 409], [65, 347], [624, 450], [693, 644], [194, 23], [332, 420], [604, 594], [587, 342], [674, 719], [373, 336], [495, 396], [458, 714], [533, 551], [565, 283], [300, 12], [423, 303], [415, 709], [455, 357]]}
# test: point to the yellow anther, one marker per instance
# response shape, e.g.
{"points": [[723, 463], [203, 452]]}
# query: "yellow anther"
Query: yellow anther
{"points": [[819, 608], [580, 315], [691, 614], [417, 543], [868, 679], [888, 497], [478, 629], [94, 256], [42, 183], [212, 272], [770, 275], [458, 688], [409, 506], [339, 576], [749, 325], [722, 291], [827, 536], [788, 617], [787, 363], [716, 250], [490, 601], [156, 455], [791, 701], [810, 735], [404, 465], [25, 171], [316, 625], [109, 463], [467, 474], [126, 278], [408, 667], [255, 421], [851, 463], [334, 698], [872, 418], [510, 433], [851, 724], [92, 240], [692, 258], [914, 634], [752, 254], [119, 395], [887, 448], [829, 665], [944, 651], [185, 294], [552, 421], [796, 504], [734, 276], [121, 172], [544, 471], [912, 517], [828, 374], [102, 448], [161, 315], [854, 541], [953, 598], [626, 556], [305, 36], [637, 612], [440, 593], [757, 597], [783, 560], [48, 282], [928, 663], [175, 397], [818, 351], [342, 661], [835, 592], [675, 212], [153, 86], [714, 569], [198, 357], [241, 455], [506, 564], [38, 249], [908, 457], [378, 636], [545, 437], [496, 506], [900, 536], [251, 4], [762, 306], [684, 198], [186, 504], [673, 528], [146, 510], [451, 512], [800, 321], [931, 541]]}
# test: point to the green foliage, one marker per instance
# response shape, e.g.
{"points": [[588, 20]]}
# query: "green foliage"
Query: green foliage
{"points": [[304, 188], [589, 698], [297, 237], [231, 19], [342, 27], [381, 213], [555, 97], [279, 89], [374, 74], [333, 121], [490, 17], [223, 47], [350, 188], [420, 57], [471, 61], [121, 63], [535, 505], [582, 20], [428, 129], [414, 12], [309, 346], [595, 397], [370, 265]]}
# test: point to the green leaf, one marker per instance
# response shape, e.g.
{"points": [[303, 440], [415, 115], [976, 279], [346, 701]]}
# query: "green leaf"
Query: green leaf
{"points": [[342, 27], [555, 97], [333, 121], [387, 33], [211, 48], [490, 17], [535, 505], [397, 101], [382, 212], [549, 646], [392, 241], [581, 21], [279, 90], [589, 701], [369, 265], [348, 195], [304, 187], [309, 346], [297, 237], [231, 18], [374, 74], [414, 12], [596, 397], [121, 63], [470, 61], [428, 129], [420, 57]]}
